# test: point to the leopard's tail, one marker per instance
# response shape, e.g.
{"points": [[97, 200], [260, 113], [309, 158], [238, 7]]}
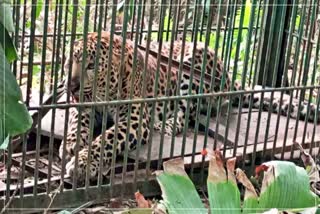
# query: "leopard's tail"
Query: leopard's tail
{"points": [[276, 103]]}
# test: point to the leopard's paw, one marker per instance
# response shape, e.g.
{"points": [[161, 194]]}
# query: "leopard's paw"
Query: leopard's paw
{"points": [[81, 169]]}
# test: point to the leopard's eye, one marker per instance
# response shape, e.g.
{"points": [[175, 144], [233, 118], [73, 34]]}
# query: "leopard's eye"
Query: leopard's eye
{"points": [[90, 66]]}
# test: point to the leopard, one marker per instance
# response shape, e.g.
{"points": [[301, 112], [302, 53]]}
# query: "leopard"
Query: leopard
{"points": [[133, 74]]}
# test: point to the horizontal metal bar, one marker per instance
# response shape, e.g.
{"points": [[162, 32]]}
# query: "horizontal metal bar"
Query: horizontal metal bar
{"points": [[159, 99], [302, 37], [140, 31]]}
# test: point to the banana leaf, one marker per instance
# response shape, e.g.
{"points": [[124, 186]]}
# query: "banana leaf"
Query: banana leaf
{"points": [[178, 192]]}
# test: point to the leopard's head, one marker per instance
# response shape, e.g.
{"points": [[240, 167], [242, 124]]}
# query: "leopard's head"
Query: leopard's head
{"points": [[80, 71]]}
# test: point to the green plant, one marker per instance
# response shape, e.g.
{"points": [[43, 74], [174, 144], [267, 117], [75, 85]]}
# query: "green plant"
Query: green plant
{"points": [[14, 116], [285, 186]]}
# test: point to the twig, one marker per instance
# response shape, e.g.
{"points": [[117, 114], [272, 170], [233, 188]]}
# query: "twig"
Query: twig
{"points": [[10, 200], [52, 199]]}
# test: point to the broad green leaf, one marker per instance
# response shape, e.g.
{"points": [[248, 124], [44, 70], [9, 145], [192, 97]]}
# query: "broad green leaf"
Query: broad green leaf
{"points": [[224, 195], [14, 116], [7, 44], [178, 191], [6, 15], [286, 186]]}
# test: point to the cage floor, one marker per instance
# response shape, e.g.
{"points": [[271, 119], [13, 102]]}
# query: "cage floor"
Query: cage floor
{"points": [[256, 130]]}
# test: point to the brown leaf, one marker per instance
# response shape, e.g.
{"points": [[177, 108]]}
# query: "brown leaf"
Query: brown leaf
{"points": [[250, 192], [141, 201]]}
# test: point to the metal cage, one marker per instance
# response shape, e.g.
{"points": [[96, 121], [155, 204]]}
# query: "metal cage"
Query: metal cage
{"points": [[273, 44]]}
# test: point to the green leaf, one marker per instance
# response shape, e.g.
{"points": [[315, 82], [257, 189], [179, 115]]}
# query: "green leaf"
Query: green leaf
{"points": [[286, 186], [6, 15], [178, 191], [14, 116], [131, 8], [5, 143], [224, 195], [39, 8], [7, 43]]}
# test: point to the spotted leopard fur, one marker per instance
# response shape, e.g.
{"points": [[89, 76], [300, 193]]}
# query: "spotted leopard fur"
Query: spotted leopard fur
{"points": [[124, 75]]}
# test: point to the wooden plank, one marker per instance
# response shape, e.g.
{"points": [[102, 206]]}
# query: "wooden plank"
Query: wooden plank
{"points": [[250, 149], [155, 147]]}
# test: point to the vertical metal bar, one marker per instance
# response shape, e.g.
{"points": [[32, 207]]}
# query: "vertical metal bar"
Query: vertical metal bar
{"points": [[31, 50], [119, 90], [184, 34], [203, 17], [275, 70], [161, 26], [234, 75], [42, 73], [244, 74], [30, 65], [305, 32], [64, 38], [224, 76], [141, 113], [227, 13], [96, 15], [212, 85], [262, 24], [142, 22], [264, 81], [203, 71], [311, 93], [54, 100], [134, 68], [8, 163], [133, 19], [22, 40], [293, 77], [66, 120], [257, 32], [316, 119], [106, 14], [187, 113], [195, 15], [168, 81], [146, 61], [285, 73], [93, 109], [54, 45], [305, 78], [17, 5], [231, 32], [107, 77], [169, 19], [22, 167], [83, 63]]}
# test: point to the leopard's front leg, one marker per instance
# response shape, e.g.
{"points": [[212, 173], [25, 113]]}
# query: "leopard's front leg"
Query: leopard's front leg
{"points": [[180, 119], [119, 143], [73, 130]]}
